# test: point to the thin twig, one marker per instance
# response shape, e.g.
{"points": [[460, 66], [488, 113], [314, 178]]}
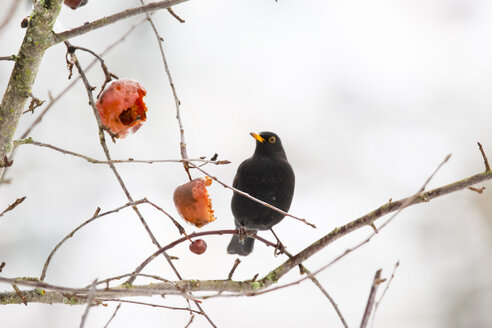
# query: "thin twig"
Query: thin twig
{"points": [[11, 57], [252, 198], [485, 160], [107, 74], [114, 315], [234, 267], [171, 11], [87, 27], [13, 205], [177, 102], [2, 265], [328, 296], [190, 321], [376, 305], [90, 297], [30, 141], [370, 301], [146, 304], [176, 223], [108, 280], [477, 190], [19, 293]]}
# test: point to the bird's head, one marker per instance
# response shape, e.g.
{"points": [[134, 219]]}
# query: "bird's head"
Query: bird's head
{"points": [[268, 144]]}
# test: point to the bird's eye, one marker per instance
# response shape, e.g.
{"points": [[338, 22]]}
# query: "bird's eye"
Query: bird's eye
{"points": [[272, 140]]}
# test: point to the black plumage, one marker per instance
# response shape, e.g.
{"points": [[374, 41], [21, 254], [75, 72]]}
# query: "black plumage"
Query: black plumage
{"points": [[267, 176]]}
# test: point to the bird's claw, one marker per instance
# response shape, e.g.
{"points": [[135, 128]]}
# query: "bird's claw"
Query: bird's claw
{"points": [[241, 234], [279, 248]]}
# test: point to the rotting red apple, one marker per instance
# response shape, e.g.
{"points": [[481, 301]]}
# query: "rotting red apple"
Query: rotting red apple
{"points": [[121, 107], [193, 203]]}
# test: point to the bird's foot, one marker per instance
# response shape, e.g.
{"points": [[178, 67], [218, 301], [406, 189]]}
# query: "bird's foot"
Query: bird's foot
{"points": [[241, 234], [279, 248]]}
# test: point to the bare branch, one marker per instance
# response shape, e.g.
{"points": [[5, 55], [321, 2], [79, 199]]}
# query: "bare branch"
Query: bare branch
{"points": [[376, 305], [177, 102], [30, 141], [49, 293], [38, 38], [485, 160], [147, 304], [153, 6], [252, 198], [234, 267], [114, 315], [176, 223], [11, 57], [477, 190], [13, 205], [108, 280], [240, 287], [90, 297], [370, 301], [171, 11], [191, 320], [327, 295], [107, 74], [19, 293]]}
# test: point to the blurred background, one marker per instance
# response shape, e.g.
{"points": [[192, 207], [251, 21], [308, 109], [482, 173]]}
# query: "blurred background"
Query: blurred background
{"points": [[368, 98]]}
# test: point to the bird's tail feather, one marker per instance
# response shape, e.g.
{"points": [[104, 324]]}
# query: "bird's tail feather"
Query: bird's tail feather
{"points": [[241, 247]]}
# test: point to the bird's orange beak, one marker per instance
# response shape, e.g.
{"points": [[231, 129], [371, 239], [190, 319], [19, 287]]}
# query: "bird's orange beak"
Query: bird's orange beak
{"points": [[257, 137]]}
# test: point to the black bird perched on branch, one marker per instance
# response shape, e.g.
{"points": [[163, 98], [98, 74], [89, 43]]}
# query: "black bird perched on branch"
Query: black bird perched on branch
{"points": [[267, 176]]}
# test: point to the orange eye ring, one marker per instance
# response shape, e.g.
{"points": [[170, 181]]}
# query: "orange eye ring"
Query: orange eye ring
{"points": [[272, 140]]}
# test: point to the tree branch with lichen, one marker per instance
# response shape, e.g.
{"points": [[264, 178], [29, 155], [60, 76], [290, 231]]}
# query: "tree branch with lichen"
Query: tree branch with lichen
{"points": [[105, 21], [47, 293], [38, 38]]}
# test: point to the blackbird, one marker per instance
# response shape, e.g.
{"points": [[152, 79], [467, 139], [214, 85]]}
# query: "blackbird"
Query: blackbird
{"points": [[267, 176]]}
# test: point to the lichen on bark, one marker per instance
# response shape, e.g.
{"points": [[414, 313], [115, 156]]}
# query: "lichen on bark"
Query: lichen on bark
{"points": [[39, 37]]}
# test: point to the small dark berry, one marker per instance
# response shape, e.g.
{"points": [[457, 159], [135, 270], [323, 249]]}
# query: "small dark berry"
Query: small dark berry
{"points": [[199, 246]]}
